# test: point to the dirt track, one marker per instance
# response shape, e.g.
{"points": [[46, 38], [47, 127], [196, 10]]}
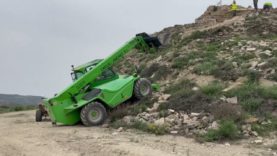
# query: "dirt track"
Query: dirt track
{"points": [[20, 135]]}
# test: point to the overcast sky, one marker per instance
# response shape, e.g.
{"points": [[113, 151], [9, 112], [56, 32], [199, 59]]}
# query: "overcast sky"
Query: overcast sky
{"points": [[40, 39]]}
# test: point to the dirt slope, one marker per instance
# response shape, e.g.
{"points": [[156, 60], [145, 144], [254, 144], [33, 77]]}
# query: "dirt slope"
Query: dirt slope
{"points": [[20, 135]]}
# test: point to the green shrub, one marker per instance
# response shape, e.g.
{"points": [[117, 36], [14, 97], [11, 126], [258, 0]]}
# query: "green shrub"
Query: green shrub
{"points": [[228, 111], [226, 71], [212, 89], [141, 106], [18, 108], [195, 35], [143, 126], [162, 108], [251, 104], [253, 76], [184, 61], [188, 101], [269, 92], [4, 109], [227, 130], [208, 56], [206, 68], [249, 96], [149, 71], [163, 112], [212, 47], [253, 97], [184, 98], [158, 130], [179, 63], [180, 86], [159, 71], [245, 57], [245, 92], [265, 129], [198, 34], [273, 77], [151, 128]]}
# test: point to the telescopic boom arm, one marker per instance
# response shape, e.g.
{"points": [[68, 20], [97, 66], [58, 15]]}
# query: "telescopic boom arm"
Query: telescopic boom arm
{"points": [[141, 42]]}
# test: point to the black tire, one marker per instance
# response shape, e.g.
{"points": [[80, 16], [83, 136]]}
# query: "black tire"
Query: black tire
{"points": [[142, 88], [39, 115], [97, 118]]}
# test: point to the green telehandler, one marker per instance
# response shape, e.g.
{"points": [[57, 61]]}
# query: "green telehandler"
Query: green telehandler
{"points": [[96, 88]]}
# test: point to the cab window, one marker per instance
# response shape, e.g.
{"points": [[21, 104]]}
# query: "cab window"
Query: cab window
{"points": [[107, 74], [76, 75]]}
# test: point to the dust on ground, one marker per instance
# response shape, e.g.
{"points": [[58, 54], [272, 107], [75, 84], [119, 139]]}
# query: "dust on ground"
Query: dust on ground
{"points": [[21, 135]]}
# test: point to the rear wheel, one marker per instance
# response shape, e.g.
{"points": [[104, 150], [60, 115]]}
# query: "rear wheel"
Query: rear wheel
{"points": [[39, 115], [93, 114], [142, 88]]}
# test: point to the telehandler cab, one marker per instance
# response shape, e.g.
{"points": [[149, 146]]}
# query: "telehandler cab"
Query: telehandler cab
{"points": [[97, 88]]}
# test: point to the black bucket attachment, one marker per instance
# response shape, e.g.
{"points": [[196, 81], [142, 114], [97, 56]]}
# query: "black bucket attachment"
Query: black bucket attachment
{"points": [[150, 41]]}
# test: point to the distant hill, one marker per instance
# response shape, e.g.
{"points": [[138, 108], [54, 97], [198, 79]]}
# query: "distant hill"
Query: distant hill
{"points": [[9, 99]]}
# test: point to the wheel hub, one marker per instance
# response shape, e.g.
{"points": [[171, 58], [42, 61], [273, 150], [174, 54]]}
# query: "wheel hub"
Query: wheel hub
{"points": [[144, 89], [94, 115]]}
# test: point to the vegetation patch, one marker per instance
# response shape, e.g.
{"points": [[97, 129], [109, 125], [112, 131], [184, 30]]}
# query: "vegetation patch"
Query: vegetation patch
{"points": [[195, 35], [228, 111], [184, 61], [267, 127], [16, 108], [227, 130], [273, 77], [251, 104], [226, 71], [213, 89], [131, 109], [205, 68], [188, 102], [243, 57], [155, 72], [182, 85], [211, 47], [253, 76], [254, 98]]}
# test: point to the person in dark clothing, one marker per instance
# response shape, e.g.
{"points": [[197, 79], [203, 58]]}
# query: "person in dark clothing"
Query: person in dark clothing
{"points": [[256, 5]]}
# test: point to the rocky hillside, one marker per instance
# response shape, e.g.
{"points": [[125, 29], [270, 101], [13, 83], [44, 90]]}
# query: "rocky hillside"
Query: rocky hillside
{"points": [[218, 78], [10, 100]]}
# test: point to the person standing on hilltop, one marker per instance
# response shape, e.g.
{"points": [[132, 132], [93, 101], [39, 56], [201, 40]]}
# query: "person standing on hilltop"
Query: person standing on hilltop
{"points": [[255, 5], [234, 8]]}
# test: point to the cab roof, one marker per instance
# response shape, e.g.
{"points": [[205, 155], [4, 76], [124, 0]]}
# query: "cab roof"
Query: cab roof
{"points": [[84, 66]]}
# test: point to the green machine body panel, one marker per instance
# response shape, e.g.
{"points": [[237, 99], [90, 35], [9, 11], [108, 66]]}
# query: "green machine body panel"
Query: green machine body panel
{"points": [[94, 81]]}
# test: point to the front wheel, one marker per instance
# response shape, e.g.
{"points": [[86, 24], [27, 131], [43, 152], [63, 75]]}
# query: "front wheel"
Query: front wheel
{"points": [[93, 114], [142, 88]]}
